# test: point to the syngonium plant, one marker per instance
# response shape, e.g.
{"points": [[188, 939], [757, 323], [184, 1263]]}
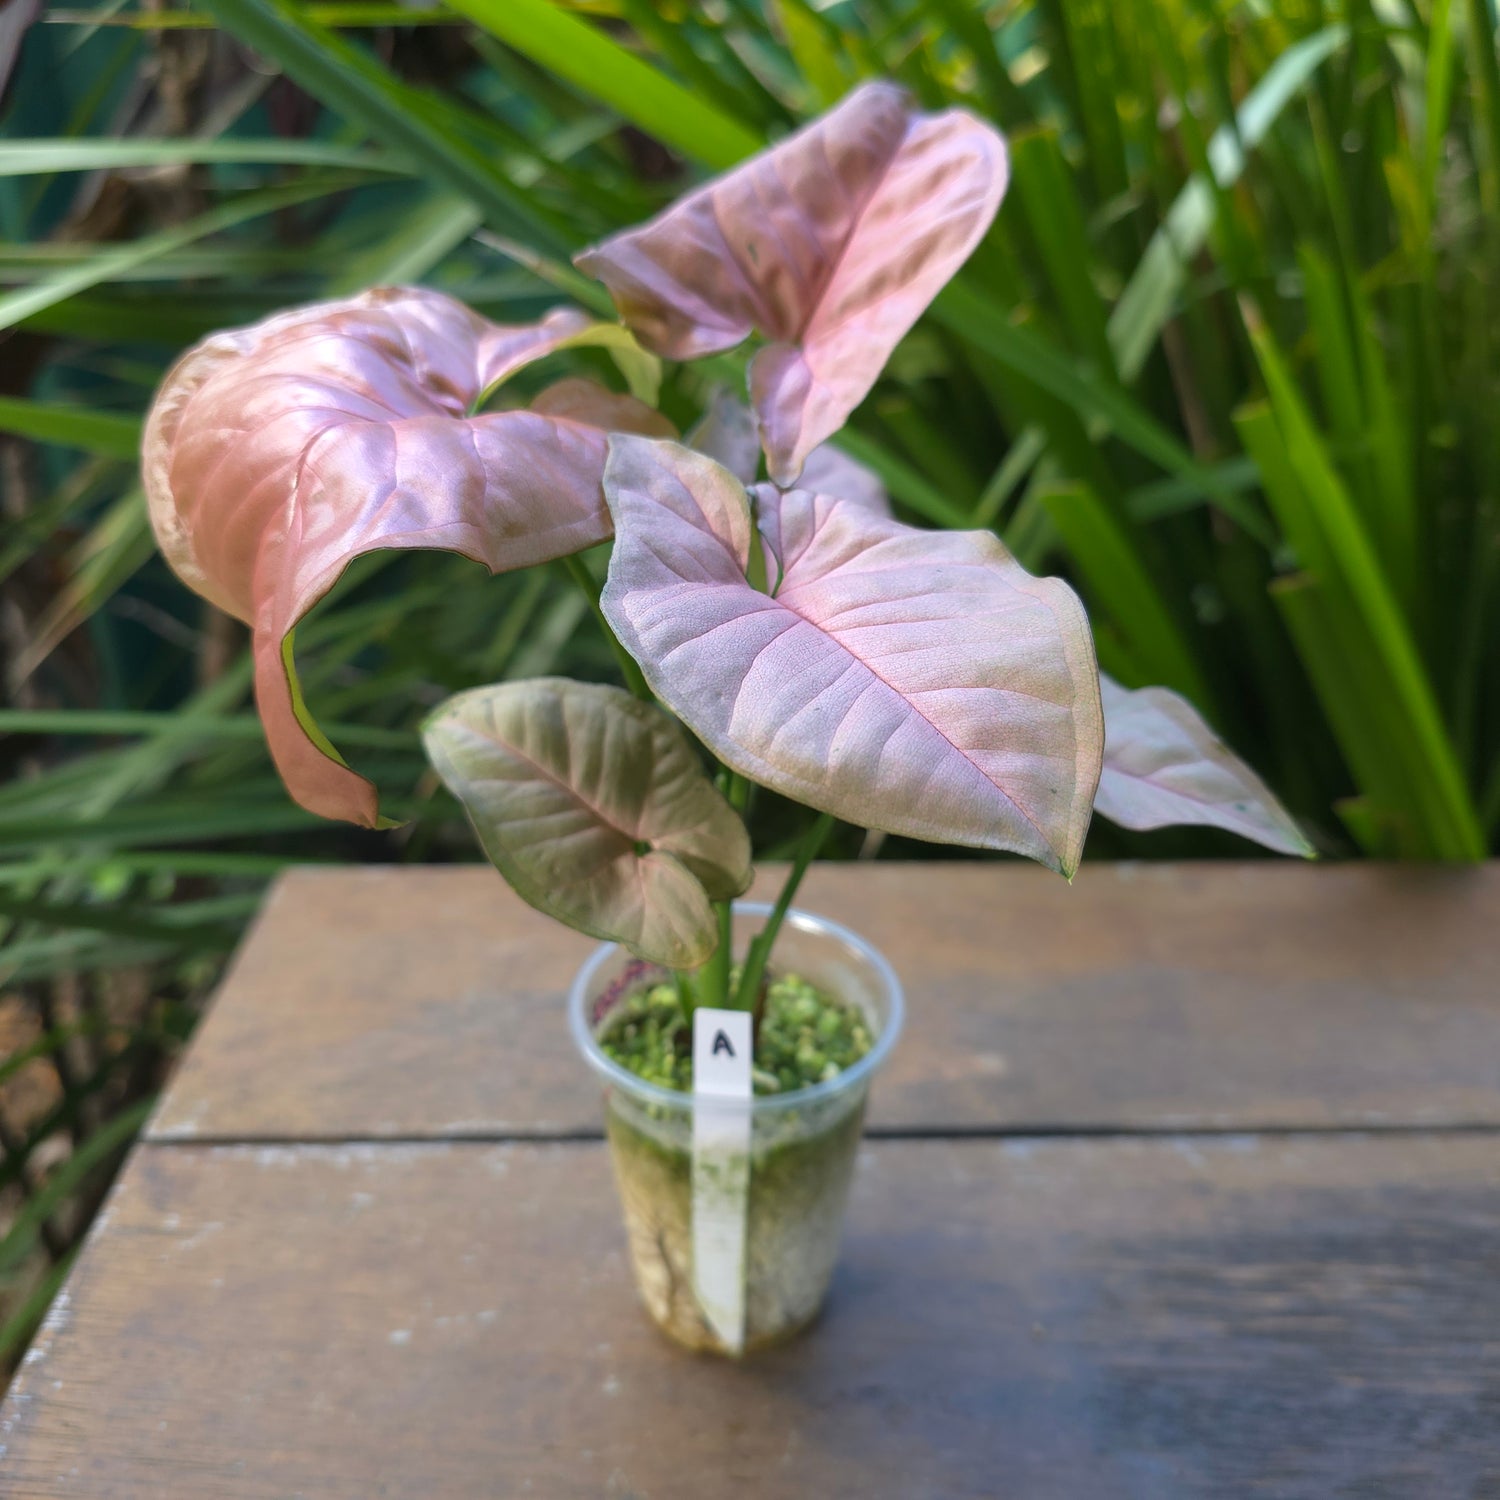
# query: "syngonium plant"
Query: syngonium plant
{"points": [[904, 680]]}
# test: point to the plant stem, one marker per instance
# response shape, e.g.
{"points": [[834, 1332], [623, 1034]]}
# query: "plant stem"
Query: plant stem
{"points": [[762, 943], [577, 570], [714, 981], [710, 984], [737, 791], [685, 997]]}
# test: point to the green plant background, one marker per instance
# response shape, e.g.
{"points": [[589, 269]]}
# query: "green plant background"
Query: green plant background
{"points": [[1228, 361]]}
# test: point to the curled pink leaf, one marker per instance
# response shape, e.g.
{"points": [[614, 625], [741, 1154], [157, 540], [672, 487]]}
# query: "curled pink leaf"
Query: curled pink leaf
{"points": [[913, 681], [1163, 765], [830, 245], [274, 455]]}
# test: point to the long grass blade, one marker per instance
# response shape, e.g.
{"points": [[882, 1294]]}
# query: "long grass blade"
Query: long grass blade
{"points": [[973, 319], [81, 427], [1116, 579], [23, 158], [1151, 293], [594, 62], [64, 285], [351, 83], [1320, 523]]}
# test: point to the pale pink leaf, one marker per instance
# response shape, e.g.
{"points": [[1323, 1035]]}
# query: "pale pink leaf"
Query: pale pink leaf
{"points": [[727, 435], [830, 245], [830, 471], [596, 809], [1163, 765], [919, 682], [276, 454]]}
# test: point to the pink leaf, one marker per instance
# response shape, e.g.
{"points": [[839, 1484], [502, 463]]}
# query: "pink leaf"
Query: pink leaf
{"points": [[274, 455], [830, 245], [1163, 765], [913, 681], [595, 807], [727, 435], [830, 471]]}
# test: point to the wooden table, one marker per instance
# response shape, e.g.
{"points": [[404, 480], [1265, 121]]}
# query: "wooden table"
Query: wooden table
{"points": [[1185, 1182]]}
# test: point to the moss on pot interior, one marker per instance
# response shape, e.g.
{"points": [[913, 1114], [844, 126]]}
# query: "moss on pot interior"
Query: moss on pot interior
{"points": [[803, 1142], [804, 1036], [801, 1156], [800, 1167]]}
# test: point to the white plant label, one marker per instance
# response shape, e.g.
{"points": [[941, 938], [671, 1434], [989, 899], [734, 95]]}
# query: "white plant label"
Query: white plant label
{"points": [[721, 1167]]}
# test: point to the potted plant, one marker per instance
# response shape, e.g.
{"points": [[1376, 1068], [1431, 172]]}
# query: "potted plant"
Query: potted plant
{"points": [[787, 633]]}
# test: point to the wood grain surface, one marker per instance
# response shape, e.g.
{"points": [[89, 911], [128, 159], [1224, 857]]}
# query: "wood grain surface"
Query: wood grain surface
{"points": [[1072, 1271], [385, 1002], [1117, 1319]]}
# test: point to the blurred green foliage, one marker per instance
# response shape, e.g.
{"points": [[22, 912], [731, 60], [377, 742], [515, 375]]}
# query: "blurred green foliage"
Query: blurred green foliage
{"points": [[1228, 360]]}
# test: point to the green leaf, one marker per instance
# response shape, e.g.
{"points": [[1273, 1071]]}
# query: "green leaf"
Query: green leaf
{"points": [[1364, 423], [51, 290], [1019, 459], [1437, 96], [116, 547], [973, 319], [1388, 826], [1149, 297], [1093, 60], [1055, 217], [165, 821], [100, 432], [817, 57], [598, 65], [1170, 497], [425, 235], [351, 14], [1486, 60], [205, 726], [198, 924], [22, 1323], [1320, 523], [595, 807], [1107, 555], [26, 1228], [352, 84], [641, 368], [22, 158], [971, 25]]}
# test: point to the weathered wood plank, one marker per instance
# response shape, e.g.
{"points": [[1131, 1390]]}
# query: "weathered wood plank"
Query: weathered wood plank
{"points": [[428, 1002], [1139, 1319]]}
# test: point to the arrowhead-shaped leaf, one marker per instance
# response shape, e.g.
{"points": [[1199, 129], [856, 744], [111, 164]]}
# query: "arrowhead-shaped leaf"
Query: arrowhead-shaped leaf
{"points": [[914, 681], [596, 809], [1163, 765], [830, 245], [276, 454]]}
